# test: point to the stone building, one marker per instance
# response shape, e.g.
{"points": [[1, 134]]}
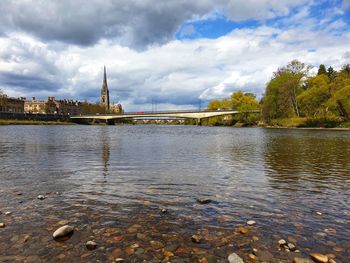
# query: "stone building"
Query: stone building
{"points": [[53, 106], [104, 99], [8, 104], [35, 106]]}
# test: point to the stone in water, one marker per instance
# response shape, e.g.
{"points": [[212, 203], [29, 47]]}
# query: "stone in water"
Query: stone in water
{"points": [[91, 245], [251, 223], [63, 231], [234, 258]]}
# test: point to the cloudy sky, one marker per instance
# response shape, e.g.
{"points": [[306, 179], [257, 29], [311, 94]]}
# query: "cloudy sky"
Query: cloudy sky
{"points": [[175, 52]]}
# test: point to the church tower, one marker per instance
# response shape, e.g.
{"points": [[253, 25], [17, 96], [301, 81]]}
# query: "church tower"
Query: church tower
{"points": [[104, 99]]}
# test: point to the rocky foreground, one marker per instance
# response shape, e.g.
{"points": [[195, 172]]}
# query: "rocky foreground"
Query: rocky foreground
{"points": [[46, 232]]}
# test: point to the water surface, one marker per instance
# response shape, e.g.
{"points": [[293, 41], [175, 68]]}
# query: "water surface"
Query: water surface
{"points": [[115, 177]]}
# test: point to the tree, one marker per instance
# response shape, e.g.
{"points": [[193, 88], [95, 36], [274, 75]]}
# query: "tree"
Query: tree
{"points": [[331, 73], [3, 100], [245, 102], [340, 102], [281, 93], [214, 105], [322, 70], [313, 101]]}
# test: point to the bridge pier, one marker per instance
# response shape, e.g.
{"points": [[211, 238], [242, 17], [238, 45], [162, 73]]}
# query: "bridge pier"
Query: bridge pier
{"points": [[199, 122], [110, 122]]}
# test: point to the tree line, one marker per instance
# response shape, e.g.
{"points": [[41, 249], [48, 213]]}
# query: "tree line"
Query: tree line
{"points": [[292, 93]]}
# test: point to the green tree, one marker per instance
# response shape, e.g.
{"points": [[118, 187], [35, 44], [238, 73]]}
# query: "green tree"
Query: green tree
{"points": [[281, 93], [340, 103], [214, 105], [331, 73], [322, 70], [313, 101]]}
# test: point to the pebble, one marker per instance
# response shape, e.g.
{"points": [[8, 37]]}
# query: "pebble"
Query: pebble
{"points": [[252, 257], [203, 200], [8, 213], [251, 223], [291, 247], [63, 231], [196, 238], [243, 230], [234, 258], [2, 225], [282, 242], [91, 245], [302, 260], [119, 260], [156, 244], [318, 213], [164, 211], [319, 257], [41, 197]]}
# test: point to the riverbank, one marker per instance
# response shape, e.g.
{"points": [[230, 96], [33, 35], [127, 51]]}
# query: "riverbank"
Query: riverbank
{"points": [[33, 122]]}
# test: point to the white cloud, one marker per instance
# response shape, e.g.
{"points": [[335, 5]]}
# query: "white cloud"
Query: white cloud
{"points": [[176, 74]]}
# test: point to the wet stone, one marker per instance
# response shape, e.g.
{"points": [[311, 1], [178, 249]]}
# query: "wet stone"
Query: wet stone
{"points": [[41, 197], [234, 258], [203, 200], [282, 242], [243, 230], [64, 231], [91, 245], [264, 256], [119, 260], [291, 247], [156, 244], [302, 260], [251, 223], [2, 225], [252, 257], [317, 257], [196, 238]]}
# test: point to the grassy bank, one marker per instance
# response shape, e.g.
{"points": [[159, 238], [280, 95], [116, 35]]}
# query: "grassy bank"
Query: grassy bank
{"points": [[33, 122], [308, 123]]}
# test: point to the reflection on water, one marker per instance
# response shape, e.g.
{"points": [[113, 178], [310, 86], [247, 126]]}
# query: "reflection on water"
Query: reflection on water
{"points": [[279, 178]]}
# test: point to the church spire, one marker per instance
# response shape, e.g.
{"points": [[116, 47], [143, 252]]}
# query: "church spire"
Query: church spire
{"points": [[104, 99]]}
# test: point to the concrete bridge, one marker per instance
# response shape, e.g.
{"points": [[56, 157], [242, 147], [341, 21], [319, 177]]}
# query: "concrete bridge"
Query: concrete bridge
{"points": [[198, 115]]}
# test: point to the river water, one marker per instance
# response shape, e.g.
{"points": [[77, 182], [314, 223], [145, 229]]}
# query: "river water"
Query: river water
{"points": [[111, 183]]}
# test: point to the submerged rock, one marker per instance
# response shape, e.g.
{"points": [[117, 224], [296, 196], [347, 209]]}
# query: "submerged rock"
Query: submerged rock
{"points": [[203, 200], [91, 245], [196, 238], [234, 258], [2, 225], [302, 260], [63, 231], [156, 244]]}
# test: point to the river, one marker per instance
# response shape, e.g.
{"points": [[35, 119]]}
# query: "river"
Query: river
{"points": [[112, 182]]}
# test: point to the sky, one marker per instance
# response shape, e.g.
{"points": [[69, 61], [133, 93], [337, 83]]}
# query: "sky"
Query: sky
{"points": [[178, 54]]}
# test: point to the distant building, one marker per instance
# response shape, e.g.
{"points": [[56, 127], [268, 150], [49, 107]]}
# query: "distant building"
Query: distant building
{"points": [[117, 108], [8, 104], [53, 106], [104, 98], [34, 106]]}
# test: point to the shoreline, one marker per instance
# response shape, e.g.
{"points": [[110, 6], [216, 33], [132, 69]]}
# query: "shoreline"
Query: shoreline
{"points": [[32, 122]]}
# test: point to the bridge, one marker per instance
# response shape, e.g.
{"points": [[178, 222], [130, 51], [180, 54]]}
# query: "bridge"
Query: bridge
{"points": [[188, 114]]}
